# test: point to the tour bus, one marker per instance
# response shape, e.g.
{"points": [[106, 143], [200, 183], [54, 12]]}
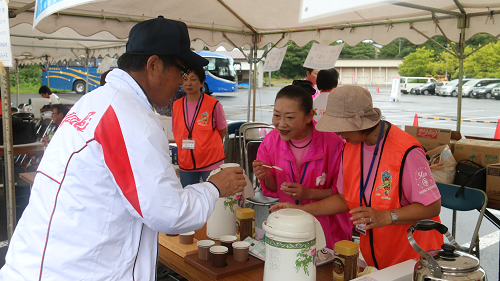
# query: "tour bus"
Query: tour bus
{"points": [[71, 74]]}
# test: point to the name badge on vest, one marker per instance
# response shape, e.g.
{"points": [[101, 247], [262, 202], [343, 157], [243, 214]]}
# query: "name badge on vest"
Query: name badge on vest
{"points": [[359, 226], [187, 144]]}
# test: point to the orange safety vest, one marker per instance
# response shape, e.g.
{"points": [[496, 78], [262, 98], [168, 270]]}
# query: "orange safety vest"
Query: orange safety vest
{"points": [[208, 147], [388, 245]]}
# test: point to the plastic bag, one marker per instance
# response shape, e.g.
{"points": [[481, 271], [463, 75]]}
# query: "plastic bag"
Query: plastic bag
{"points": [[442, 164]]}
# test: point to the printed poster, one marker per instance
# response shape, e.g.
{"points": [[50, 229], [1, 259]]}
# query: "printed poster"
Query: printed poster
{"points": [[322, 56], [395, 90], [105, 64], [44, 8], [274, 59], [5, 49]]}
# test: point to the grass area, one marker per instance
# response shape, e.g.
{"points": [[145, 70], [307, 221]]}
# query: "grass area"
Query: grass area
{"points": [[33, 89]]}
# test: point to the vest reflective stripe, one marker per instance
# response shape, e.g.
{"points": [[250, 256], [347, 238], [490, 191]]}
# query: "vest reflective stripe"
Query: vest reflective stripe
{"points": [[208, 143], [387, 245]]}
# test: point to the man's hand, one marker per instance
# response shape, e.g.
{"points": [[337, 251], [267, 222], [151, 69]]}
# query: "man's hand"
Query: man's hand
{"points": [[229, 181]]}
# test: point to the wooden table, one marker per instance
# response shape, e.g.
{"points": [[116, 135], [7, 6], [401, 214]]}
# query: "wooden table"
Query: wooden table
{"points": [[176, 263], [28, 148], [28, 177]]}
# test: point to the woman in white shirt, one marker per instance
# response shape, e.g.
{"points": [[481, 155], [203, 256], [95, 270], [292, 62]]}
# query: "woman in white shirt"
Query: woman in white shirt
{"points": [[326, 80]]}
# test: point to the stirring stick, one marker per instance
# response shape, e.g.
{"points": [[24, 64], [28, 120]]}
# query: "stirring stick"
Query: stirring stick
{"points": [[273, 167]]}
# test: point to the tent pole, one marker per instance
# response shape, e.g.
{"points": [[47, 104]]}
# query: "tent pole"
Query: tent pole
{"points": [[250, 75], [47, 70], [254, 75], [461, 44], [87, 70], [8, 153], [17, 82]]}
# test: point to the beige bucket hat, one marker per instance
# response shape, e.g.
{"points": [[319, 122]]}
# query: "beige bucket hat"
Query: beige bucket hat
{"points": [[349, 108]]}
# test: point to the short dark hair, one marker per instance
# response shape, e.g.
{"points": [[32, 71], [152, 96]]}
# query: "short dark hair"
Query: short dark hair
{"points": [[129, 62], [61, 108], [199, 71], [44, 90], [102, 82], [310, 70], [327, 79], [298, 93]]}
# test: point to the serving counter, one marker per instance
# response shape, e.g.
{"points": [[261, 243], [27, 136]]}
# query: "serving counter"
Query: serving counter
{"points": [[176, 263]]}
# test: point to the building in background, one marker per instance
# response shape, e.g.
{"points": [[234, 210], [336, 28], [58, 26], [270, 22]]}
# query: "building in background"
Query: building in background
{"points": [[367, 71]]}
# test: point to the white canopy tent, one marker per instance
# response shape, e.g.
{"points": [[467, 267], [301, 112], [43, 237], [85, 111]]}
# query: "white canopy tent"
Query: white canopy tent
{"points": [[253, 24]]}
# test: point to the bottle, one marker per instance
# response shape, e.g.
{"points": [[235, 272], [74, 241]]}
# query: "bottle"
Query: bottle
{"points": [[174, 156], [345, 263], [245, 223]]}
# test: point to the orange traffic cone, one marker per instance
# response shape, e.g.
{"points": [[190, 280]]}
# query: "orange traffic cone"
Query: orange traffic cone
{"points": [[415, 120], [378, 90], [366, 87], [497, 132]]}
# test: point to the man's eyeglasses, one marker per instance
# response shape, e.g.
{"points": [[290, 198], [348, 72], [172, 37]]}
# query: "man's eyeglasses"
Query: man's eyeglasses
{"points": [[185, 71]]}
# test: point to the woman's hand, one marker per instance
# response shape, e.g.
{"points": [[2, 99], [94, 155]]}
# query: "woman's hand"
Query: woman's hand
{"points": [[260, 171], [296, 190], [285, 205], [371, 217]]}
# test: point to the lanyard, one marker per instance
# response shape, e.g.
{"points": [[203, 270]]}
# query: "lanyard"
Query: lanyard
{"points": [[301, 179], [190, 128], [375, 152]]}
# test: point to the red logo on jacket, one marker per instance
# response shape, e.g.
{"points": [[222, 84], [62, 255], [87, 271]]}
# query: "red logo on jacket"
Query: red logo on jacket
{"points": [[79, 124]]}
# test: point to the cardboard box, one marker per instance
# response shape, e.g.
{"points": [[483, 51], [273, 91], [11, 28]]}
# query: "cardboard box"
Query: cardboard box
{"points": [[480, 151], [431, 138], [493, 181]]}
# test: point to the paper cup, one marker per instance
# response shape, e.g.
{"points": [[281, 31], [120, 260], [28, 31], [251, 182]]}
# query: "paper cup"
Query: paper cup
{"points": [[227, 241], [240, 251], [204, 249], [186, 238], [229, 165], [218, 256]]}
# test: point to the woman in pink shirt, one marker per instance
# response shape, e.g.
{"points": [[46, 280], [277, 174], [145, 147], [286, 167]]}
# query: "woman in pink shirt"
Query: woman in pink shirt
{"points": [[310, 159]]}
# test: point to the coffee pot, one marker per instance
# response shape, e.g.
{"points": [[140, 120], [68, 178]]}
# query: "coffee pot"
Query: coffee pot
{"points": [[447, 263], [222, 221], [292, 238]]}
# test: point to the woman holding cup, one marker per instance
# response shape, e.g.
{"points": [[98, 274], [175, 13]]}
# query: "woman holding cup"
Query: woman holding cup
{"points": [[384, 181], [309, 159]]}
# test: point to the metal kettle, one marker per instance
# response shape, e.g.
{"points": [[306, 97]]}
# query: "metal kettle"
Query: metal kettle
{"points": [[447, 263]]}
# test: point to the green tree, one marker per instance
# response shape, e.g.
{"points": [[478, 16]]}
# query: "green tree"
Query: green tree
{"points": [[484, 63], [363, 50], [28, 74], [293, 61], [417, 63]]}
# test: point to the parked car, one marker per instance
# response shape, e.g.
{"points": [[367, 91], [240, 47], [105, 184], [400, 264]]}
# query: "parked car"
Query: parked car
{"points": [[426, 89], [474, 84], [451, 88], [441, 84], [484, 92], [496, 93], [408, 83]]}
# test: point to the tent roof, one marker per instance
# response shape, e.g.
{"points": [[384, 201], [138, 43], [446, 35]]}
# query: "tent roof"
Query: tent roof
{"points": [[218, 22]]}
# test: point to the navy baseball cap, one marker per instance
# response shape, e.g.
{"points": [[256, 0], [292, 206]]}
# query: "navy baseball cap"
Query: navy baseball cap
{"points": [[163, 36]]}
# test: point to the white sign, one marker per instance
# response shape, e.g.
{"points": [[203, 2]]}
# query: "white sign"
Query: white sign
{"points": [[45, 8], [274, 59], [105, 64], [323, 57], [317, 9], [395, 90], [5, 50]]}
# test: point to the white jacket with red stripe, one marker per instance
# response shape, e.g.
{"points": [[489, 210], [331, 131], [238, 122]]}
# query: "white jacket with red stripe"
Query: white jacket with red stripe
{"points": [[103, 191]]}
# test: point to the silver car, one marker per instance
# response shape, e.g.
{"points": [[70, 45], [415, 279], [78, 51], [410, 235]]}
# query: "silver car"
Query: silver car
{"points": [[496, 93], [475, 84], [450, 89]]}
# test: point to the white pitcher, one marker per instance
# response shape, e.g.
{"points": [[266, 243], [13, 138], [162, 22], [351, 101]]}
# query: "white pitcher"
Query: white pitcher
{"points": [[223, 218], [292, 238]]}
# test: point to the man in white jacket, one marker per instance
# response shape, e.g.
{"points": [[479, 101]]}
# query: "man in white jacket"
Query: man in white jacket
{"points": [[105, 186]]}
